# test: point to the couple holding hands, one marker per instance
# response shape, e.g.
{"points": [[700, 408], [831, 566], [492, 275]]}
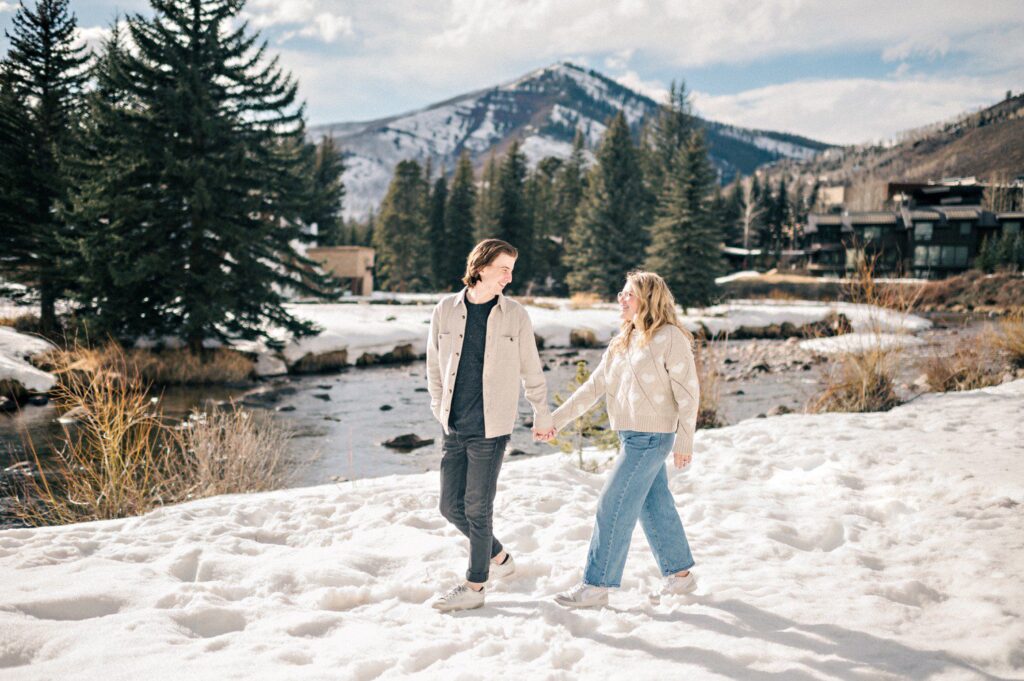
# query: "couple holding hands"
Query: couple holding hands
{"points": [[481, 347]]}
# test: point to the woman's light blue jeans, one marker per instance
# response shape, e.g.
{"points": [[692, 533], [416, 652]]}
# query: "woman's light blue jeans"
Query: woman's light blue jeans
{"points": [[637, 488]]}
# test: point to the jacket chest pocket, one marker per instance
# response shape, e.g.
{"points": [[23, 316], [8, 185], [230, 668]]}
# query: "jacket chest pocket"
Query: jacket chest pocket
{"points": [[508, 348]]}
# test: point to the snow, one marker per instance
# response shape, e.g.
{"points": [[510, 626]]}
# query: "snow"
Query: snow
{"points": [[15, 351], [744, 274], [830, 546], [859, 343], [364, 328]]}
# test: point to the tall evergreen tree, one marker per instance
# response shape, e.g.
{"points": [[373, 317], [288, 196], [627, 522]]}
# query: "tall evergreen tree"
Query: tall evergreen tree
{"points": [[436, 229], [402, 261], [201, 179], [608, 238], [669, 132], [487, 202], [326, 195], [542, 214], [570, 184], [685, 237], [458, 223], [17, 207], [513, 224], [44, 73]]}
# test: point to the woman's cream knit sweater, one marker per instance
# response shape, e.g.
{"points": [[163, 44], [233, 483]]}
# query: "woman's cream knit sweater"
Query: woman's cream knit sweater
{"points": [[650, 388]]}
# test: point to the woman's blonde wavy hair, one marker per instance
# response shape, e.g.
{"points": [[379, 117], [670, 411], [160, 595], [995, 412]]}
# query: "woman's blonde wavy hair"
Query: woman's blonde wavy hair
{"points": [[655, 308]]}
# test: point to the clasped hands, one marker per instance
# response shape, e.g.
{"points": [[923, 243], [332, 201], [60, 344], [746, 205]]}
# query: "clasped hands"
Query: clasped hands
{"points": [[544, 435]]}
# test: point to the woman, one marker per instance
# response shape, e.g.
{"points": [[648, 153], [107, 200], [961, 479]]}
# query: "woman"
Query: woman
{"points": [[649, 381]]}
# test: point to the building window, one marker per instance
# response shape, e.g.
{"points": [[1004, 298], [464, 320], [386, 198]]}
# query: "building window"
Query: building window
{"points": [[965, 228], [872, 234], [853, 258], [920, 256], [934, 256], [923, 231], [953, 256], [1012, 228]]}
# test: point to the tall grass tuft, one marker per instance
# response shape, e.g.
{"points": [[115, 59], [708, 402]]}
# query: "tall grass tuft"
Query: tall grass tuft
{"points": [[967, 367], [163, 368], [708, 357], [119, 456], [1008, 337], [859, 382]]}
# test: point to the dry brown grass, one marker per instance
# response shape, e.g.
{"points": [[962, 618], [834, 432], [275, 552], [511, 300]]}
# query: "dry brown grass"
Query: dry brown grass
{"points": [[1008, 337], [866, 381], [859, 383], [967, 367], [121, 458], [708, 357], [163, 368], [530, 300], [584, 301], [23, 323]]}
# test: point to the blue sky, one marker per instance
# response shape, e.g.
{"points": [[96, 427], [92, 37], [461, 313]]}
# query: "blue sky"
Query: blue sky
{"points": [[845, 72]]}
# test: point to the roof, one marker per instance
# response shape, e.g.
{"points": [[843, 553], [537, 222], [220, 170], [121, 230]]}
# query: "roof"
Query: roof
{"points": [[925, 215], [872, 218], [960, 212], [825, 219], [1011, 215]]}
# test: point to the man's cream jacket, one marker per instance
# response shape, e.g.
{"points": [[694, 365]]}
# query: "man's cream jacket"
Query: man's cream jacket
{"points": [[510, 357]]}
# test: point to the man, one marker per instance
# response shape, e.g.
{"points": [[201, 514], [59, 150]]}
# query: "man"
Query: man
{"points": [[481, 347]]}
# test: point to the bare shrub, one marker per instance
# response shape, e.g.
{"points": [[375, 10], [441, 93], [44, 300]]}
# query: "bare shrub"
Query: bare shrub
{"points": [[226, 452]]}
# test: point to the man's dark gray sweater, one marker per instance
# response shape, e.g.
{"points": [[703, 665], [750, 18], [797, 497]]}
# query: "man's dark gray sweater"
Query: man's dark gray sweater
{"points": [[467, 415]]}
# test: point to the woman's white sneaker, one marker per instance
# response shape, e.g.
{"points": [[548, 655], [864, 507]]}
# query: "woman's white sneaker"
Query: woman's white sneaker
{"points": [[502, 570], [674, 585], [583, 596], [460, 597]]}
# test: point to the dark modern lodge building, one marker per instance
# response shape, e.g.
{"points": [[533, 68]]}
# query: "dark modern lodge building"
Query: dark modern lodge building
{"points": [[932, 231]]}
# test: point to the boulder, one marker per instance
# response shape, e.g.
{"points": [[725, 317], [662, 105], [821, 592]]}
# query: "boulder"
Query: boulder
{"points": [[582, 338], [407, 442]]}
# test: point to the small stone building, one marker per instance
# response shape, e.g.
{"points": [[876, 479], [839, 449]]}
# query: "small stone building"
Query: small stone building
{"points": [[352, 264]]}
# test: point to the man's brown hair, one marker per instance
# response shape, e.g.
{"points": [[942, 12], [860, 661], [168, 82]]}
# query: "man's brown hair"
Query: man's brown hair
{"points": [[482, 255]]}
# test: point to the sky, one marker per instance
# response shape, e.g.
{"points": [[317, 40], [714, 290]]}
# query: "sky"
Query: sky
{"points": [[845, 73]]}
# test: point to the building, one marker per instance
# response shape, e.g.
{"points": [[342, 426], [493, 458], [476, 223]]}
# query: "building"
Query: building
{"points": [[931, 230], [353, 265]]}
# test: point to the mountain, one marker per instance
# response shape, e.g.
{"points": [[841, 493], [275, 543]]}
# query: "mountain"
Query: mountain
{"points": [[986, 144], [542, 109]]}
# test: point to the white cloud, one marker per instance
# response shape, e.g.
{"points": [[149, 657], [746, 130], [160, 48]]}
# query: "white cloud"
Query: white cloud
{"points": [[92, 36], [314, 16], [652, 88], [619, 60], [7, 6], [852, 110]]}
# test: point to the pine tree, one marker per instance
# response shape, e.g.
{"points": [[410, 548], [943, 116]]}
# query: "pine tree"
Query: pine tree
{"points": [[487, 202], [201, 177], [458, 223], [326, 195], [44, 73], [985, 260], [685, 237], [608, 238], [513, 223], [669, 132], [400, 237], [592, 426], [17, 206], [541, 213], [570, 184], [436, 230]]}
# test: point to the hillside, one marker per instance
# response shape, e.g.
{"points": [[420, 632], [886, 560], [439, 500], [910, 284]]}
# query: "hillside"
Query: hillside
{"points": [[988, 144], [542, 109]]}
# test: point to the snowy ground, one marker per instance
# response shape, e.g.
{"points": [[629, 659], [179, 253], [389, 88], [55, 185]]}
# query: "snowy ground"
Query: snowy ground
{"points": [[836, 546], [15, 350], [361, 328]]}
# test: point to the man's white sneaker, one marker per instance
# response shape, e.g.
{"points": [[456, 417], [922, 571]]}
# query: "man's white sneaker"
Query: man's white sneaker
{"points": [[506, 569], [583, 596], [460, 597], [674, 585]]}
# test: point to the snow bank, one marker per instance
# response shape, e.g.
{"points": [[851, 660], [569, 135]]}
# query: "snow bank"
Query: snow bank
{"points": [[377, 329], [859, 343], [15, 351], [833, 546]]}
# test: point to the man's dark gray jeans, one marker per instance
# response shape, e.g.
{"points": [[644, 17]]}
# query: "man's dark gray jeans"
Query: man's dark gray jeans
{"points": [[469, 481]]}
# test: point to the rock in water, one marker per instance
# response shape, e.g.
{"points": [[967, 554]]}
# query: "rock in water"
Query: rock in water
{"points": [[407, 442]]}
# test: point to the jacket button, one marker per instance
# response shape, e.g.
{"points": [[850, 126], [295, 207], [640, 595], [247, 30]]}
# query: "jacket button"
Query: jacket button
{"points": [[456, 354]]}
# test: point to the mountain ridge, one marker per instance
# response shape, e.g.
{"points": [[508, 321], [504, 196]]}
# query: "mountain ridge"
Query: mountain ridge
{"points": [[543, 109]]}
